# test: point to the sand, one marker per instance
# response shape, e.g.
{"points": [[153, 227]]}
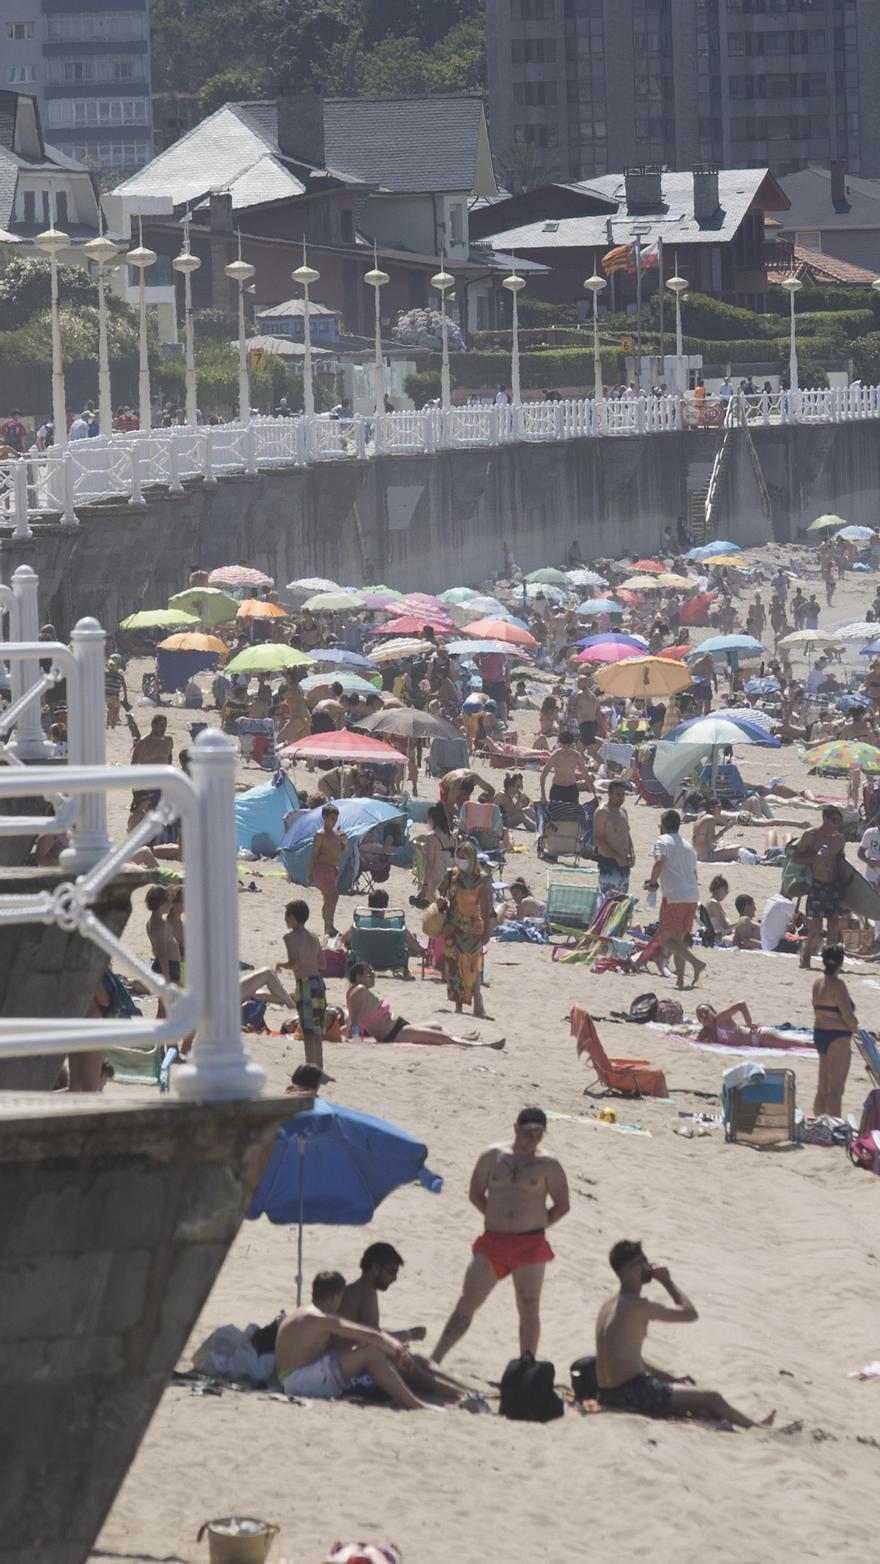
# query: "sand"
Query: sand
{"points": [[778, 1250]]}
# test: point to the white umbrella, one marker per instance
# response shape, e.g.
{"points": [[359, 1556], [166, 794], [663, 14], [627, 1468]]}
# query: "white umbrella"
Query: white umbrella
{"points": [[335, 602], [402, 647], [859, 630], [586, 578], [761, 719], [308, 585], [806, 642]]}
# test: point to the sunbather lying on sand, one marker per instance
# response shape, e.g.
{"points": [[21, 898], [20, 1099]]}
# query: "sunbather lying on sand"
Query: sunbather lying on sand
{"points": [[375, 1022], [719, 1026]]}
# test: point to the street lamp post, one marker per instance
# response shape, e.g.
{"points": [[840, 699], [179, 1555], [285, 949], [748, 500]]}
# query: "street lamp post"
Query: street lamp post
{"points": [[514, 285], [241, 273], [679, 286], [377, 280], [306, 275], [52, 242], [596, 285], [103, 252], [141, 257], [442, 281], [792, 286], [186, 263]]}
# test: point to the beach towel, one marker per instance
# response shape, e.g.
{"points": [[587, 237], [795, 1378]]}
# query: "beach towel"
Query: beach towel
{"points": [[525, 931], [610, 922]]}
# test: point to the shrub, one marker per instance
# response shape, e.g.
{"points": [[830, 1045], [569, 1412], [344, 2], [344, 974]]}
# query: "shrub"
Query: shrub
{"points": [[25, 290], [705, 317], [215, 326], [866, 358], [422, 329], [423, 387], [811, 377], [815, 297], [539, 312]]}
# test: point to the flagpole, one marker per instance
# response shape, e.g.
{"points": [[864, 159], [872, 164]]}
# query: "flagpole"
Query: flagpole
{"points": [[638, 314], [662, 323]]}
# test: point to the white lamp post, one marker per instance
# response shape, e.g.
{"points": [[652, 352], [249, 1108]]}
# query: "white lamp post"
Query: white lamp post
{"points": [[141, 257], [377, 280], [792, 286], [306, 275], [443, 281], [679, 286], [514, 284], [186, 263], [103, 252], [52, 242], [596, 285], [241, 272]]}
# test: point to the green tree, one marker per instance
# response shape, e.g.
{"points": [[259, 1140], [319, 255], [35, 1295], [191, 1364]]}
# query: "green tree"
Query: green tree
{"points": [[237, 84], [866, 358]]}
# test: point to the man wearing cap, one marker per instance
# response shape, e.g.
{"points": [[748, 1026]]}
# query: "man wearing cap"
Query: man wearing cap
{"points": [[521, 1191]]}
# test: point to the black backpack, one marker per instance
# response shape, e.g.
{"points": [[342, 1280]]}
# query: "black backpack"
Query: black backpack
{"points": [[527, 1391]]}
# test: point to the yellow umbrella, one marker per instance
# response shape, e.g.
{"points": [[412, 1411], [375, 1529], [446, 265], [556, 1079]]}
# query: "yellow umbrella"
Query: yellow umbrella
{"points": [[640, 677], [733, 561], [194, 641], [641, 583], [669, 579], [256, 608]]}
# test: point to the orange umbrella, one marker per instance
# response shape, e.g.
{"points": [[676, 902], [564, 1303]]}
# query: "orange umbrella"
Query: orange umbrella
{"points": [[253, 608], [499, 630], [632, 599], [194, 641]]}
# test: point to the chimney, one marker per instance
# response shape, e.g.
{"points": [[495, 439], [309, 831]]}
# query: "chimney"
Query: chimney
{"points": [[301, 129], [705, 194], [839, 167], [220, 212], [644, 189]]}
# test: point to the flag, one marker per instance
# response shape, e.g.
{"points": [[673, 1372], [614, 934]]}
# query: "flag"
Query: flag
{"points": [[617, 260], [649, 258]]}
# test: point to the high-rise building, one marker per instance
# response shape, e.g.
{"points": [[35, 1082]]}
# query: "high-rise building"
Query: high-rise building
{"points": [[87, 62], [582, 87]]}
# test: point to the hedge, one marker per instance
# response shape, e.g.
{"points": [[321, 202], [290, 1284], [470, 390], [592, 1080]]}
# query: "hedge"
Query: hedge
{"points": [[538, 312], [816, 297], [560, 367], [422, 388]]}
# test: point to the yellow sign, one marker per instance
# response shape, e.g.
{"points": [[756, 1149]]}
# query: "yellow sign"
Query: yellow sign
{"points": [[258, 358], [627, 344]]}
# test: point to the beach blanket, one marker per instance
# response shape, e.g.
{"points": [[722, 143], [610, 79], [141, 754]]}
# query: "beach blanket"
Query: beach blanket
{"points": [[801, 1045], [523, 931]]}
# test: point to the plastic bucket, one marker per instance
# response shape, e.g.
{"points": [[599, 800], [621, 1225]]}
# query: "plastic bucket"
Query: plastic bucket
{"points": [[238, 1539]]}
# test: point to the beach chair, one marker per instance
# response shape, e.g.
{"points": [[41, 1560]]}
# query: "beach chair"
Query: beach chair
{"points": [[447, 755], [760, 1111], [484, 824], [621, 1077], [434, 958], [645, 784], [870, 1053], [564, 830], [604, 935], [380, 940], [571, 903]]}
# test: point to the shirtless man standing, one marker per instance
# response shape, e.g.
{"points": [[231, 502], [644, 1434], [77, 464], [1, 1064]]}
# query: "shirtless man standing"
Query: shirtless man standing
{"points": [[380, 1266], [569, 771], [626, 1382], [822, 848], [584, 709], [306, 1365], [328, 850], [154, 749], [613, 842], [305, 959], [521, 1191]]}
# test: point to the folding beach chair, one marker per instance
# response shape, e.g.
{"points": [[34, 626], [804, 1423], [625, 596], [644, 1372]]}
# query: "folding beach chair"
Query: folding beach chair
{"points": [[870, 1052], [759, 1111], [604, 935], [484, 824], [622, 1077], [644, 782], [564, 830], [380, 940], [572, 901]]}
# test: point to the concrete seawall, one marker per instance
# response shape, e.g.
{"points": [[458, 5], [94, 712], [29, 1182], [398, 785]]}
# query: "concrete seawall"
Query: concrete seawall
{"points": [[432, 521]]}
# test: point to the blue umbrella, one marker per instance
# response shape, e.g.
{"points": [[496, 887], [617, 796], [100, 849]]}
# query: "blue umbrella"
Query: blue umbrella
{"points": [[616, 637], [848, 703], [871, 650], [357, 817], [708, 550], [720, 645], [334, 1166], [716, 730], [344, 658], [768, 686], [599, 605]]}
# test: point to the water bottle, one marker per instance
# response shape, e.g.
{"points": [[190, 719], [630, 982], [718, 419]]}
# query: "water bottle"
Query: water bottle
{"points": [[651, 898], [356, 1034]]}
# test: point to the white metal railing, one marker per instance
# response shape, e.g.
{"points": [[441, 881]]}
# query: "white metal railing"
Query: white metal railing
{"points": [[208, 1003], [124, 465]]}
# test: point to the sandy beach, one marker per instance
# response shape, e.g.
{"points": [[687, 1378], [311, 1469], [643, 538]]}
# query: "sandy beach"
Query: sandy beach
{"points": [[779, 1250]]}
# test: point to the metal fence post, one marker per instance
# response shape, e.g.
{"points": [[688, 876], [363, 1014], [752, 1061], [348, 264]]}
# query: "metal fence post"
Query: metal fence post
{"points": [[20, 499], [87, 737], [136, 496], [220, 1064], [28, 742]]}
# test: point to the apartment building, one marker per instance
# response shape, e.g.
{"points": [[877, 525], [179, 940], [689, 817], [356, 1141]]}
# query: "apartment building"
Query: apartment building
{"points": [[578, 88], [88, 65]]}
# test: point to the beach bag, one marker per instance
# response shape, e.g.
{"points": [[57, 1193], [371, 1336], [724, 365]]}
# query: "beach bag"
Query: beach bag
{"points": [[335, 963], [797, 878], [670, 1012], [644, 1009], [527, 1391], [825, 1130], [584, 1379], [864, 1151], [433, 920]]}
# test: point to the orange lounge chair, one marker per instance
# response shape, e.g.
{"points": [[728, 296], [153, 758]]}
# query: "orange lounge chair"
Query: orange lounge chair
{"points": [[627, 1077]]}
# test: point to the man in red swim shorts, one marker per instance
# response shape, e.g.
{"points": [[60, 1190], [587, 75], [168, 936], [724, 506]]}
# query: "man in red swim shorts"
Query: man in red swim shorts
{"points": [[521, 1191]]}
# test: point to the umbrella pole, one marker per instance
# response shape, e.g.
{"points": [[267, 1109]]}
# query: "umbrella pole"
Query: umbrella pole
{"points": [[302, 1203], [714, 768]]}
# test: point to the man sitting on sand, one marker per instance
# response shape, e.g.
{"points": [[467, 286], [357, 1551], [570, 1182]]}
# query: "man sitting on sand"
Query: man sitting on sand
{"points": [[306, 1366], [626, 1382], [746, 930], [380, 1267]]}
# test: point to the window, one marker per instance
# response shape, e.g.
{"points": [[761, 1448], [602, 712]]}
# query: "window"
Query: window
{"points": [[98, 111], [776, 43], [346, 225], [123, 70], [816, 41], [456, 225], [21, 73], [813, 85], [781, 86], [78, 70], [95, 26], [537, 51], [30, 210], [61, 209], [116, 154], [19, 30]]}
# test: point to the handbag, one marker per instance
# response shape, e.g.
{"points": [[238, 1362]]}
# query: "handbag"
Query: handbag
{"points": [[434, 920]]}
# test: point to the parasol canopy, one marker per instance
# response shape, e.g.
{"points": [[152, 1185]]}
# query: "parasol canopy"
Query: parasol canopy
{"points": [[239, 576], [640, 677], [158, 619], [194, 641], [210, 605], [843, 755], [500, 630], [355, 748], [255, 608], [268, 658]]}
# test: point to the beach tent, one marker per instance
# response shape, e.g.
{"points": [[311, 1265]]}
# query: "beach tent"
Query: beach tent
{"points": [[260, 814]]}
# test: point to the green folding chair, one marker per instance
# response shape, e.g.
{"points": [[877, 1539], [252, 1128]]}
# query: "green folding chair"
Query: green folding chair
{"points": [[380, 940]]}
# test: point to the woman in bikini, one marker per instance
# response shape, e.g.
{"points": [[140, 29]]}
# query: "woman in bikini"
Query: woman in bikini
{"points": [[374, 1019], [720, 1027], [834, 1021]]}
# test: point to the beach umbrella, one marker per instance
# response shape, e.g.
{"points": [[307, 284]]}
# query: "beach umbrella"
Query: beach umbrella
{"points": [[410, 624], [858, 630], [349, 748], [843, 755], [399, 651], [484, 605], [332, 1166], [728, 645], [748, 714], [159, 619], [599, 605], [404, 722], [677, 653], [255, 608], [608, 652], [269, 658], [669, 579], [695, 612], [806, 641], [466, 648], [719, 729], [629, 599], [533, 589], [548, 577], [729, 561], [209, 604], [872, 649], [500, 630], [309, 585], [719, 546], [339, 656], [337, 602], [766, 686], [376, 601], [653, 567], [640, 584], [352, 683], [849, 703], [641, 677], [239, 576], [614, 638], [457, 595], [822, 522], [586, 578], [857, 534], [193, 641]]}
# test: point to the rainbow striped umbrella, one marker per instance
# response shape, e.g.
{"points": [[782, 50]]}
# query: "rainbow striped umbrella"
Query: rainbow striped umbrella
{"points": [[843, 755]]}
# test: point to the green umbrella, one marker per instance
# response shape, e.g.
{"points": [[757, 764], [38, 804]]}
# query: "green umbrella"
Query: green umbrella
{"points": [[212, 606], [380, 587], [822, 522], [332, 602], [269, 658], [159, 619], [457, 595], [549, 577]]}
